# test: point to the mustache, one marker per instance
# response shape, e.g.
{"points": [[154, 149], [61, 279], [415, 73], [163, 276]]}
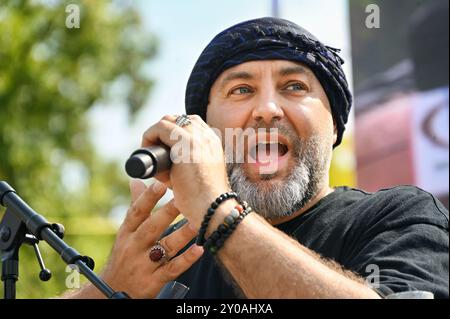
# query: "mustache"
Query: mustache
{"points": [[284, 128]]}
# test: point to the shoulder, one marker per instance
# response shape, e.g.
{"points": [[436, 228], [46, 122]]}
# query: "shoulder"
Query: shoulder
{"points": [[403, 231], [406, 204]]}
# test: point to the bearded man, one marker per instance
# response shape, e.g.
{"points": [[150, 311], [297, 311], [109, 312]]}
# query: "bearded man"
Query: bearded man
{"points": [[284, 233]]}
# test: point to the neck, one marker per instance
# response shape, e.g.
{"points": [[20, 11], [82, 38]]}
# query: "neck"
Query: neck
{"points": [[324, 191]]}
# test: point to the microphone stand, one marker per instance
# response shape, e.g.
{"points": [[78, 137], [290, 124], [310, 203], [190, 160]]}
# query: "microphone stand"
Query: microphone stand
{"points": [[21, 224]]}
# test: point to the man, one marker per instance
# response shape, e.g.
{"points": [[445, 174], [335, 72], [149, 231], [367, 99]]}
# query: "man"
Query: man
{"points": [[304, 239]]}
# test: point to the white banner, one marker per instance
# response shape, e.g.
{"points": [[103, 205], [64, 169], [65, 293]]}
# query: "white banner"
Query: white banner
{"points": [[431, 140]]}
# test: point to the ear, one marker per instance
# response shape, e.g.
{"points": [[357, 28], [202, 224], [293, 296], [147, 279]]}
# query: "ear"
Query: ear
{"points": [[335, 132]]}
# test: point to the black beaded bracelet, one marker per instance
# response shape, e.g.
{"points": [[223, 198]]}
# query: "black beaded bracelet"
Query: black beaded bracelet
{"points": [[228, 221], [210, 212], [217, 238]]}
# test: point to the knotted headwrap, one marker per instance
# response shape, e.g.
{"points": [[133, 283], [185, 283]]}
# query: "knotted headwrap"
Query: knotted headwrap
{"points": [[270, 39]]}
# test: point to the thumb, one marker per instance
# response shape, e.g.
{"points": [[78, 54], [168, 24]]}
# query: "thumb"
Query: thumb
{"points": [[137, 187]]}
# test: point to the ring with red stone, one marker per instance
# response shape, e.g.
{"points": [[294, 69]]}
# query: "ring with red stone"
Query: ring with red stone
{"points": [[158, 253]]}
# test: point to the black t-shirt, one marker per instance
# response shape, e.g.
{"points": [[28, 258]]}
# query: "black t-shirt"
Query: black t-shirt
{"points": [[400, 234]]}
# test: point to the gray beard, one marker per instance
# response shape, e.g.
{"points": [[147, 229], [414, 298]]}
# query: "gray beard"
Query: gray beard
{"points": [[283, 198]]}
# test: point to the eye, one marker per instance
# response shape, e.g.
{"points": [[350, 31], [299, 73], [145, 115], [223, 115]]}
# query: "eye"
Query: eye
{"points": [[296, 87], [241, 90]]}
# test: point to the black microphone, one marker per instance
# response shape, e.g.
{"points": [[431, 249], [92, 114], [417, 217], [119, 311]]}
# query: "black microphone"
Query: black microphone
{"points": [[149, 161]]}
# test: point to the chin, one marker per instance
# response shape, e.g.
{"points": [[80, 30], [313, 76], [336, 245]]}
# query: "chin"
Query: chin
{"points": [[267, 182], [255, 175]]}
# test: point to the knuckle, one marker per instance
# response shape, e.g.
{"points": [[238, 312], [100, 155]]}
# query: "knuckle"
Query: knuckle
{"points": [[166, 125], [189, 256], [172, 212], [168, 246], [151, 229], [147, 233], [147, 132], [195, 117], [172, 269], [122, 232], [187, 231], [134, 209], [139, 236], [165, 277], [152, 194], [166, 118]]}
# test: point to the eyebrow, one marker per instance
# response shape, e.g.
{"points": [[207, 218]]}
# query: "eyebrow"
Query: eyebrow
{"points": [[293, 70], [242, 75], [237, 76]]}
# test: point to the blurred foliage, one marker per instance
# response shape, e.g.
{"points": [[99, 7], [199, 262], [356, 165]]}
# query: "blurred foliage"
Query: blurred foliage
{"points": [[50, 76]]}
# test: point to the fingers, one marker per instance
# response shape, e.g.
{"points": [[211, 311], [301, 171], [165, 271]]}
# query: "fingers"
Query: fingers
{"points": [[167, 132], [164, 177], [143, 205], [151, 229], [164, 131], [137, 187], [197, 119], [175, 267], [175, 241]]}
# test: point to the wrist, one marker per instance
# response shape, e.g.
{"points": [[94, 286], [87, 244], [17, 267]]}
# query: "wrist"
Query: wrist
{"points": [[207, 200], [89, 291], [221, 212]]}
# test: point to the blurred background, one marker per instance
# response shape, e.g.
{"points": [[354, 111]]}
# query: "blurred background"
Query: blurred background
{"points": [[74, 102]]}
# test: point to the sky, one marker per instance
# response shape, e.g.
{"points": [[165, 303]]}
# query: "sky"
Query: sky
{"points": [[184, 28]]}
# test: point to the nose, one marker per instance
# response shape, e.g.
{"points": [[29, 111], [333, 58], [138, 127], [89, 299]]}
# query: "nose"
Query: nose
{"points": [[267, 109]]}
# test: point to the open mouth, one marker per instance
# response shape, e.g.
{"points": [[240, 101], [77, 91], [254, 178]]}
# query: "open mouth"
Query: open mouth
{"points": [[268, 151]]}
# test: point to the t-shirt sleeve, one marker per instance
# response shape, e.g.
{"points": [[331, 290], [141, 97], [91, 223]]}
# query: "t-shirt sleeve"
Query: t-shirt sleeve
{"points": [[404, 245]]}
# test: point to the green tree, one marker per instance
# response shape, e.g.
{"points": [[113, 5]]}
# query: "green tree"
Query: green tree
{"points": [[50, 76]]}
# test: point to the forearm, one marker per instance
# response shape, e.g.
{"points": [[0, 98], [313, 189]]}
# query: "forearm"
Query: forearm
{"points": [[266, 263]]}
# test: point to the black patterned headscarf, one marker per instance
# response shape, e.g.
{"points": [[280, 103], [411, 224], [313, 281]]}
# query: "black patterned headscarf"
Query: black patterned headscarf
{"points": [[270, 39]]}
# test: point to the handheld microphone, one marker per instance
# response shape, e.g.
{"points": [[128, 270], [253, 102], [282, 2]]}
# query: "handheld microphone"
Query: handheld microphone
{"points": [[149, 161]]}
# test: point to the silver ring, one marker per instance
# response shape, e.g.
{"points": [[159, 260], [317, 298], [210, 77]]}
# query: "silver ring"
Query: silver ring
{"points": [[158, 253], [183, 120]]}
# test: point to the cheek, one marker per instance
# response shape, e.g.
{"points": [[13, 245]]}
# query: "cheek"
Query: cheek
{"points": [[311, 117], [221, 117]]}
